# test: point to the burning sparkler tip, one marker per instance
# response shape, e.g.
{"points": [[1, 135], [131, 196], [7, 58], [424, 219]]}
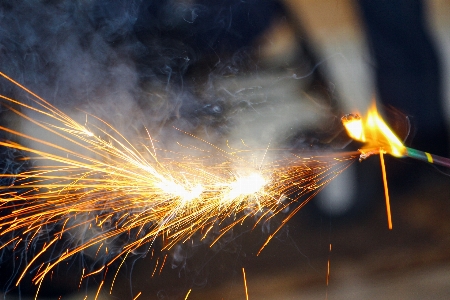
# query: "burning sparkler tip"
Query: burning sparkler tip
{"points": [[350, 117], [374, 132]]}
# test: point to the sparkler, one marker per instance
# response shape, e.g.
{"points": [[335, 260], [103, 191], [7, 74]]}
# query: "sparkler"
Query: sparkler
{"points": [[101, 189], [380, 139], [377, 135]]}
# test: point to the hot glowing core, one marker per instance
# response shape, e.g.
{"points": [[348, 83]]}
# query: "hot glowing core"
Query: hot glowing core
{"points": [[178, 190], [373, 131], [246, 185]]}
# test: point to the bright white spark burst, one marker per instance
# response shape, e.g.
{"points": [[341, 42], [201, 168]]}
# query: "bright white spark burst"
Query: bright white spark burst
{"points": [[116, 190]]}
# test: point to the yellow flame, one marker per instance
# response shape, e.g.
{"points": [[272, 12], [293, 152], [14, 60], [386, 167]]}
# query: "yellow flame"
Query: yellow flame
{"points": [[373, 131]]}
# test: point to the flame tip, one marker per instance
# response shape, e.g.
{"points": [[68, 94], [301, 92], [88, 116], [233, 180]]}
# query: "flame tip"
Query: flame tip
{"points": [[373, 130]]}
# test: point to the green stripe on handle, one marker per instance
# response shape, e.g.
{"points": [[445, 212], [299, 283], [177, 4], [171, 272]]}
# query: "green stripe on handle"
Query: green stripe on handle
{"points": [[430, 158]]}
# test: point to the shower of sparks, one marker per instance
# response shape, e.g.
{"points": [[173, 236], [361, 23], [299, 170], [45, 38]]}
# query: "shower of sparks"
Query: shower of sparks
{"points": [[101, 194]]}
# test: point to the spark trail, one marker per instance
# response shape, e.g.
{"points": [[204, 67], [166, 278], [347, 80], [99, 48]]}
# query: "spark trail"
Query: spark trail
{"points": [[97, 188]]}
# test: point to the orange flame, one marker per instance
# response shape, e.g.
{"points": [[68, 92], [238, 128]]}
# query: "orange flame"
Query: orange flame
{"points": [[378, 139], [373, 131]]}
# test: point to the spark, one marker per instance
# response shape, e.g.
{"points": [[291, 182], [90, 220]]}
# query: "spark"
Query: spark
{"points": [[98, 188], [137, 296], [245, 284], [98, 290], [386, 191], [187, 295], [163, 264], [156, 267], [328, 272], [328, 267]]}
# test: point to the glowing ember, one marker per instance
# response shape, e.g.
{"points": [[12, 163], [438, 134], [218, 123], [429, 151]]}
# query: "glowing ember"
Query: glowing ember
{"points": [[373, 131]]}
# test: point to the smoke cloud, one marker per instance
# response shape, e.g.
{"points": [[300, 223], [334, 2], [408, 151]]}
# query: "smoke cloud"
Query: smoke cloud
{"points": [[155, 65], [188, 64]]}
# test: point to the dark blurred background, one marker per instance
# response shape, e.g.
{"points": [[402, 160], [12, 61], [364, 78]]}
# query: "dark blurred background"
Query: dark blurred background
{"points": [[336, 55]]}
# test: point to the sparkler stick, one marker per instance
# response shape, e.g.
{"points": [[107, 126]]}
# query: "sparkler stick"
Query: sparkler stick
{"points": [[427, 157]]}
